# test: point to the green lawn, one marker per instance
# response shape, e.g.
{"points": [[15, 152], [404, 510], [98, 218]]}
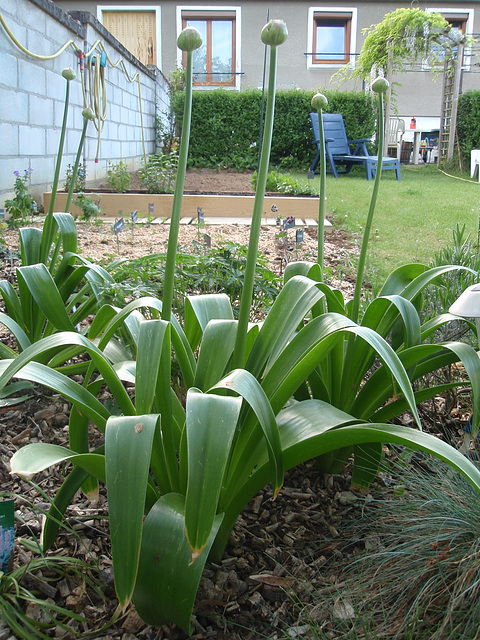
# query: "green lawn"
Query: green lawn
{"points": [[414, 217]]}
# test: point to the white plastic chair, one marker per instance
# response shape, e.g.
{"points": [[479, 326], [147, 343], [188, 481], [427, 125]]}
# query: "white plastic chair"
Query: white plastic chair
{"points": [[395, 131]]}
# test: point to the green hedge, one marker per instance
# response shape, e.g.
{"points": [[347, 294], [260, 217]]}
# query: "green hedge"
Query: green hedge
{"points": [[468, 123], [226, 124]]}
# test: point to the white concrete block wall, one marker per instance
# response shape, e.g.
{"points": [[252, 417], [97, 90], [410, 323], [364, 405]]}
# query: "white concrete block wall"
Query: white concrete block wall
{"points": [[32, 94]]}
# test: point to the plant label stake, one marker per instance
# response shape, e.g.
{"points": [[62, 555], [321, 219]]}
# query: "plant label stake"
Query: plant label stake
{"points": [[117, 227], [134, 218], [310, 174], [10, 256], [2, 214], [151, 207], [7, 534], [299, 236], [200, 216], [208, 240]]}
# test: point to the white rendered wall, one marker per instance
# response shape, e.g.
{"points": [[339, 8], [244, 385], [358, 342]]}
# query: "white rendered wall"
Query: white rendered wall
{"points": [[32, 93]]}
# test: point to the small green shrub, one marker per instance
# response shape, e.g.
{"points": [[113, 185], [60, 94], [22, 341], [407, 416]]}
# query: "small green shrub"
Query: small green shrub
{"points": [[90, 208], [80, 181], [158, 175], [220, 269], [279, 183], [22, 204], [118, 177], [462, 251]]}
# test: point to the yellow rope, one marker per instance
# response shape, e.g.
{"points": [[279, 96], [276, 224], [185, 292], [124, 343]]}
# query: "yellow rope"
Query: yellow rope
{"points": [[96, 81], [457, 178]]}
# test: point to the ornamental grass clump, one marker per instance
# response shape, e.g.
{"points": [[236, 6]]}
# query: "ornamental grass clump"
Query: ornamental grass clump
{"points": [[255, 400]]}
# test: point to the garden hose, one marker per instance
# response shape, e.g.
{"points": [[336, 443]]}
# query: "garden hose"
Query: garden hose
{"points": [[96, 73]]}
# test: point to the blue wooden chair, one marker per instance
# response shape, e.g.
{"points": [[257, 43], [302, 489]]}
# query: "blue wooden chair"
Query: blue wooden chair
{"points": [[338, 151]]}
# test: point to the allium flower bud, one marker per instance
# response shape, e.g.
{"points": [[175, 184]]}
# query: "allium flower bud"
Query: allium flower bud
{"points": [[274, 33], [380, 85], [88, 113], [189, 39], [319, 101], [69, 74]]}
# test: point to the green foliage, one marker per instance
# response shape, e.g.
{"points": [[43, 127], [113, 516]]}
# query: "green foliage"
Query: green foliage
{"points": [[198, 270], [216, 408], [408, 33], [468, 123], [158, 175], [233, 122], [16, 596], [80, 181], [278, 183], [464, 252], [425, 526], [89, 206], [118, 177], [22, 205]]}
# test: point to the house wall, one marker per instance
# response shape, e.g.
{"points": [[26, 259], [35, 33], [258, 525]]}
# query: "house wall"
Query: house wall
{"points": [[418, 93], [32, 93]]}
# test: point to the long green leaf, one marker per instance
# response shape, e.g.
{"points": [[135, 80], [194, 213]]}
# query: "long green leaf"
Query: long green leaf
{"points": [[30, 239], [70, 338], [44, 291], [128, 447], [199, 310], [33, 458], [72, 391], [216, 349], [211, 424], [20, 336], [289, 309], [243, 382], [167, 580], [311, 428]]}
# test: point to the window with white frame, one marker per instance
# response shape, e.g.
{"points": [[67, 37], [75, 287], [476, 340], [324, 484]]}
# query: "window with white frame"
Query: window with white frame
{"points": [[217, 62], [331, 36], [136, 27], [460, 20]]}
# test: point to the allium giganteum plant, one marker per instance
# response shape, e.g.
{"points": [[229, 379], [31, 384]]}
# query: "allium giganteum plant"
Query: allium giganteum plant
{"points": [[261, 398]]}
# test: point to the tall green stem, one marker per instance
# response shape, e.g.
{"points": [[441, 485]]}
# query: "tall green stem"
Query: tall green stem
{"points": [[178, 195], [73, 177], [247, 292], [321, 210], [368, 223], [48, 227]]}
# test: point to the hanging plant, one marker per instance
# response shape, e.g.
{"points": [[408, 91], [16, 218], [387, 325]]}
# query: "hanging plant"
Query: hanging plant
{"points": [[410, 34]]}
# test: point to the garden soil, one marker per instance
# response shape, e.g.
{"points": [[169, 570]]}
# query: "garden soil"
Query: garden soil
{"points": [[284, 556]]}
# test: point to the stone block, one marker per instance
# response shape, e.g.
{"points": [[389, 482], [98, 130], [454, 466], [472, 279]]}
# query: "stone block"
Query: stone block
{"points": [[13, 106], [40, 111]]}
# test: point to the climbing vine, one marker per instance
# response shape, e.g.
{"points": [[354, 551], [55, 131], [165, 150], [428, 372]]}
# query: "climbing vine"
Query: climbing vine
{"points": [[408, 33]]}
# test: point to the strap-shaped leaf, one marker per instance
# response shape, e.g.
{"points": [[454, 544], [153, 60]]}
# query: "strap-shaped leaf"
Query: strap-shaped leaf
{"points": [[216, 349], [167, 580], [68, 231], [128, 448], [20, 336], [289, 309], [311, 428], [153, 338], [44, 291], [12, 303], [30, 239], [72, 391], [33, 458], [242, 382], [199, 310], [211, 425]]}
